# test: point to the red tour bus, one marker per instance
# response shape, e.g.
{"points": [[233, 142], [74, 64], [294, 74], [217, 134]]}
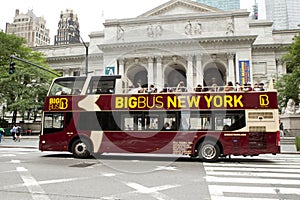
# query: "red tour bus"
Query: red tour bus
{"points": [[86, 115]]}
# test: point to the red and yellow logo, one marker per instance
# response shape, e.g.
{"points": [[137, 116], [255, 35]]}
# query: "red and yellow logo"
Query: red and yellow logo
{"points": [[58, 103], [264, 100]]}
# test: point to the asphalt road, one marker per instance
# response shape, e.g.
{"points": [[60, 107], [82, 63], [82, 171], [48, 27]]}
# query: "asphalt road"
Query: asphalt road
{"points": [[27, 173]]}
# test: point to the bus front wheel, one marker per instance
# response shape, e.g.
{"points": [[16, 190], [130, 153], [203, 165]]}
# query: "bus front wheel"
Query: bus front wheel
{"points": [[80, 149], [208, 151]]}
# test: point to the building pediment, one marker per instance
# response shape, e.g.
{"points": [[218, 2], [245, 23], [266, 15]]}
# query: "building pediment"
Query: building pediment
{"points": [[179, 7]]}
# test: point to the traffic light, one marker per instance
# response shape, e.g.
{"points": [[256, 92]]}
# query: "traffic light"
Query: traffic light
{"points": [[11, 67]]}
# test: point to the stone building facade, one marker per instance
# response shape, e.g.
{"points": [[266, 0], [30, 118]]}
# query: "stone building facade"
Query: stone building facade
{"points": [[30, 27], [180, 40], [68, 28]]}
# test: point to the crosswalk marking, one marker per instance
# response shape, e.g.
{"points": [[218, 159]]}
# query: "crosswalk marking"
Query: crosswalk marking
{"points": [[254, 180]]}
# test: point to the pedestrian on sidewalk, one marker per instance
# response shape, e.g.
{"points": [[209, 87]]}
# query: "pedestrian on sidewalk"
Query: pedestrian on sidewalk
{"points": [[13, 132], [18, 133], [1, 133]]}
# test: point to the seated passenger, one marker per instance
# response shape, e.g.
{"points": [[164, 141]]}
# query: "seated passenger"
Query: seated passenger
{"points": [[198, 88], [225, 127], [98, 91], [181, 87], [60, 92], [238, 87], [261, 86], [229, 87], [166, 126], [214, 88], [256, 87]]}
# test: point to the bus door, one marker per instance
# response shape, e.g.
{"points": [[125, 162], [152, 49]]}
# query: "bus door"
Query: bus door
{"points": [[54, 130]]}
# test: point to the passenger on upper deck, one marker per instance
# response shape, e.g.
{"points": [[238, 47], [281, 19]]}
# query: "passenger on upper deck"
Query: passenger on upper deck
{"points": [[256, 87], [199, 88], [247, 87], [181, 87], [214, 88], [60, 92], [229, 87], [238, 87], [261, 86]]}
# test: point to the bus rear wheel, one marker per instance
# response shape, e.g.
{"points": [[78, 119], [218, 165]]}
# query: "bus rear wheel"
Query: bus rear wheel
{"points": [[208, 151], [80, 149]]}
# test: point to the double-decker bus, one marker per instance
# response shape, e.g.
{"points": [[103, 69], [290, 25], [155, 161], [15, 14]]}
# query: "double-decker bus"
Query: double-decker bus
{"points": [[88, 115]]}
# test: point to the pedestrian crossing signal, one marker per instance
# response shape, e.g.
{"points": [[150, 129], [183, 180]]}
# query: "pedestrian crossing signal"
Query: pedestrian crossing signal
{"points": [[11, 67]]}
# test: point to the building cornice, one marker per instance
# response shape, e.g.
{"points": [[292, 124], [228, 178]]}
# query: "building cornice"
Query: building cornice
{"points": [[270, 46], [292, 31], [258, 23], [175, 42]]}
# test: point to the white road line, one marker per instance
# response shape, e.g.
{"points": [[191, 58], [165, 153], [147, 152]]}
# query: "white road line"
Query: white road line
{"points": [[274, 165], [33, 186], [8, 155], [219, 189], [246, 169], [254, 174], [273, 179], [41, 183], [217, 192], [167, 168], [154, 191], [249, 180]]}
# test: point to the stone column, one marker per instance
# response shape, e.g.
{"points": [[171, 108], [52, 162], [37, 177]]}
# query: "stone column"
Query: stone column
{"points": [[121, 67], [150, 71], [121, 86], [199, 70], [159, 72], [230, 73], [189, 74]]}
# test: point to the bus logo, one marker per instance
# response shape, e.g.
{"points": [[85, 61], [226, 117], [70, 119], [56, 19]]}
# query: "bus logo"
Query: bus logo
{"points": [[264, 100], [58, 103]]}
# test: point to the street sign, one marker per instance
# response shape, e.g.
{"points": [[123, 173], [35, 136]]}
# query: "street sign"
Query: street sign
{"points": [[110, 70]]}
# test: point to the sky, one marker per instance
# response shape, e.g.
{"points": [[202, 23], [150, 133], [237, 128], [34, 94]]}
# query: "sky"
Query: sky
{"points": [[91, 13]]}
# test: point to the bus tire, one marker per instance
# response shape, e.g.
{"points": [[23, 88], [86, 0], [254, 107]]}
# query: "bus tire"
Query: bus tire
{"points": [[81, 149], [208, 151]]}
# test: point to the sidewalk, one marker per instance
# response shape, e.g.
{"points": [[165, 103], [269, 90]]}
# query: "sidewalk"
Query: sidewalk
{"points": [[287, 143], [26, 142]]}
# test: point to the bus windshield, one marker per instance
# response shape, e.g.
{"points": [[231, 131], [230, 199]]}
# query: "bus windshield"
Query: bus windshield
{"points": [[67, 86]]}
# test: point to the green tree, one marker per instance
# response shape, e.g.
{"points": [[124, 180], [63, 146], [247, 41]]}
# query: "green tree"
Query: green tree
{"points": [[288, 85], [23, 91]]}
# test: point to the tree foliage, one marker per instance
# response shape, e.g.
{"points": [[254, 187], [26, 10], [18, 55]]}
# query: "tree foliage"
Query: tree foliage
{"points": [[288, 85], [23, 91]]}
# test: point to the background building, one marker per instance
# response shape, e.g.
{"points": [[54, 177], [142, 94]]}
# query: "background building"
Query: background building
{"points": [[284, 13], [222, 4], [68, 28], [30, 27], [180, 40]]}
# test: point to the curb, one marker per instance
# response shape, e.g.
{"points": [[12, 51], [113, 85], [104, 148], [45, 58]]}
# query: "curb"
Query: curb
{"points": [[290, 152], [19, 146]]}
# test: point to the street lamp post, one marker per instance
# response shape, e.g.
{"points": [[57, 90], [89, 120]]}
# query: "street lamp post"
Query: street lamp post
{"points": [[86, 56], [74, 32]]}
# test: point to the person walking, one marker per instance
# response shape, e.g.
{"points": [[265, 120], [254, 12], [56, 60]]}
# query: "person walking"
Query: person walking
{"points": [[18, 133], [1, 133], [13, 132]]}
